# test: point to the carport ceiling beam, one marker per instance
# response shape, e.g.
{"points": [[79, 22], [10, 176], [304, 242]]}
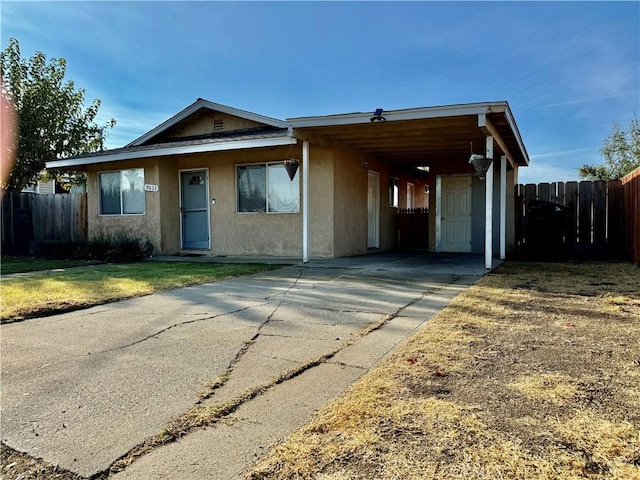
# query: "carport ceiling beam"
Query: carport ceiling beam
{"points": [[485, 124]]}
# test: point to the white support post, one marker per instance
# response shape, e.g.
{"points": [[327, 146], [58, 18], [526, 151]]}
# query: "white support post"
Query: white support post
{"points": [[503, 207], [438, 212], [305, 201], [488, 227]]}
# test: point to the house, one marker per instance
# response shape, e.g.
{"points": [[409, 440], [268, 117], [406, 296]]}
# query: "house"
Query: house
{"points": [[212, 179], [40, 187], [61, 184]]}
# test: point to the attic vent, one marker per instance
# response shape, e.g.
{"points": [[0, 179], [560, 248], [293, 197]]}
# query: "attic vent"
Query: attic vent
{"points": [[218, 125]]}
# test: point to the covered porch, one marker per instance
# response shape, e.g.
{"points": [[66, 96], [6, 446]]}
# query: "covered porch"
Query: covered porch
{"points": [[468, 212]]}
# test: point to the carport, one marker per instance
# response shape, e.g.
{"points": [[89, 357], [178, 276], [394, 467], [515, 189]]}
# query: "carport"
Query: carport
{"points": [[438, 140]]}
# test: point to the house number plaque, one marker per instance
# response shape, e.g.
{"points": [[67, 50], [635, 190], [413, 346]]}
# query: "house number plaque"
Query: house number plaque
{"points": [[150, 188]]}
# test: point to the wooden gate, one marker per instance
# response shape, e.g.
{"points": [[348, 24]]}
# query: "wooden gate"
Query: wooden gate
{"points": [[595, 216], [413, 228]]}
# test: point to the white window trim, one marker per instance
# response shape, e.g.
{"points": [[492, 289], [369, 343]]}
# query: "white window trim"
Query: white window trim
{"points": [[394, 182], [100, 214], [413, 195], [266, 212]]}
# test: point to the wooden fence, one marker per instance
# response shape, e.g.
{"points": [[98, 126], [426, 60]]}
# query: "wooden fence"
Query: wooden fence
{"points": [[595, 215], [413, 228], [631, 207], [31, 217]]}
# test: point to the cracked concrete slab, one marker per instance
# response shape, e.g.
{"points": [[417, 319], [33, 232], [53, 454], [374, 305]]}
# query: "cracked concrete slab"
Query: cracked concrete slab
{"points": [[85, 413], [82, 389], [227, 449]]}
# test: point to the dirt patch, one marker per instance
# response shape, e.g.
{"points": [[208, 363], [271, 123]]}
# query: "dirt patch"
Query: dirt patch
{"points": [[533, 373], [19, 466]]}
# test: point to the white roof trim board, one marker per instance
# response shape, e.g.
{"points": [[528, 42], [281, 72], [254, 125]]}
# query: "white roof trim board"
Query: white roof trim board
{"points": [[201, 103], [396, 115], [416, 114], [173, 150]]}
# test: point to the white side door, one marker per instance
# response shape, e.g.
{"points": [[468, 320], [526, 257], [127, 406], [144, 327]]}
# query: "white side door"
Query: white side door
{"points": [[455, 220], [373, 210]]}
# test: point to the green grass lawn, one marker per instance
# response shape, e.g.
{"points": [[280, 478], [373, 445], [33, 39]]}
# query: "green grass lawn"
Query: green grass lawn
{"points": [[9, 264], [42, 294]]}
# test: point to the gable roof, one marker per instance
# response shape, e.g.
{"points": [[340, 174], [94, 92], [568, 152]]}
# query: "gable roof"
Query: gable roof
{"points": [[201, 103]]}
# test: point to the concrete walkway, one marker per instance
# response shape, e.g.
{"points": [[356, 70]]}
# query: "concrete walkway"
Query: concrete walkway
{"points": [[82, 389]]}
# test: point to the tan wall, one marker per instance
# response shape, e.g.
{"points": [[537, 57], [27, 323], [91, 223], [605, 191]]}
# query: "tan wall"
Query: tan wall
{"points": [[321, 201], [350, 203], [232, 233], [143, 226], [388, 231], [277, 234], [169, 205], [419, 182], [243, 233], [202, 124], [337, 197], [351, 179], [388, 228]]}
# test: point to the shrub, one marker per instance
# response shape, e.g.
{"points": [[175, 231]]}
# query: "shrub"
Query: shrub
{"points": [[119, 248], [127, 248]]}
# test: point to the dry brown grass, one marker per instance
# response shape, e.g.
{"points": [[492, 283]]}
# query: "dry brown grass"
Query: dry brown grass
{"points": [[533, 373]]}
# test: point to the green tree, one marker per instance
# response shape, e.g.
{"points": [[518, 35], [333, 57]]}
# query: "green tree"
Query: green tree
{"points": [[52, 120], [621, 152]]}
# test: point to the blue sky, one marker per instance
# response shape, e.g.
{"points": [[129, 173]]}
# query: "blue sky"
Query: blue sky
{"points": [[568, 69]]}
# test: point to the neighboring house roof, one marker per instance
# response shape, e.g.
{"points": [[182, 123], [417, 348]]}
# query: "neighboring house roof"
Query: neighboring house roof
{"points": [[416, 136]]}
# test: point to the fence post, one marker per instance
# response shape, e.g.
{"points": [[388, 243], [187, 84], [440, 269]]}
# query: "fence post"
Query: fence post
{"points": [[544, 192], [585, 198], [571, 201], [599, 213]]}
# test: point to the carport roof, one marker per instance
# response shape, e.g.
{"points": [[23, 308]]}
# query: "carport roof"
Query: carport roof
{"points": [[422, 136]]}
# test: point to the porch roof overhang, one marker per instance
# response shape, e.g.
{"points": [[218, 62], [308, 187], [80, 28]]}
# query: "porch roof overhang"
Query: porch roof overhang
{"points": [[422, 136], [276, 138]]}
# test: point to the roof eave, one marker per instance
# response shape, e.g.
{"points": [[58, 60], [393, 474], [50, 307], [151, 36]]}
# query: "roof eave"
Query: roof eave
{"points": [[398, 115], [418, 114], [173, 150], [516, 133]]}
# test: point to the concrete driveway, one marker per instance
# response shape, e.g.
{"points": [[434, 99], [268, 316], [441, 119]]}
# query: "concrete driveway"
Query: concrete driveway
{"points": [[82, 389]]}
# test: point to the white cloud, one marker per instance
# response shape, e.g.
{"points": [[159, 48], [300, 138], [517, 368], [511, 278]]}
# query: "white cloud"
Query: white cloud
{"points": [[561, 153]]}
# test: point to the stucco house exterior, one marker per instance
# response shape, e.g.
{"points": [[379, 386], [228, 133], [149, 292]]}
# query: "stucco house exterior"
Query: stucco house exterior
{"points": [[212, 180]]}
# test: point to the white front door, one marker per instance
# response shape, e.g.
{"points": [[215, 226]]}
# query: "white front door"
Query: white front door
{"points": [[455, 222], [373, 210]]}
